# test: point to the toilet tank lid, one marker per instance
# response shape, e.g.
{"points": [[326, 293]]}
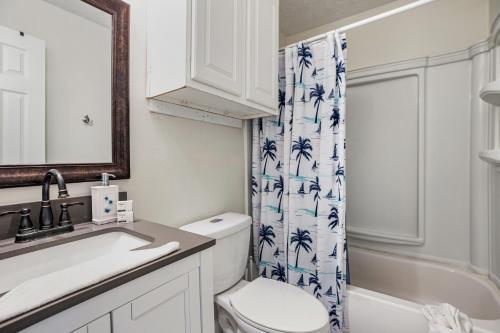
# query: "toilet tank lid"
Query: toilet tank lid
{"points": [[219, 226]]}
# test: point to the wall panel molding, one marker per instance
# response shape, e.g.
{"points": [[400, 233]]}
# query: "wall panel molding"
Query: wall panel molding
{"points": [[387, 73], [448, 58], [391, 71]]}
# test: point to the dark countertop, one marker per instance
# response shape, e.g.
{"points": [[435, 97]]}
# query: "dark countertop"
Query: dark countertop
{"points": [[157, 234]]}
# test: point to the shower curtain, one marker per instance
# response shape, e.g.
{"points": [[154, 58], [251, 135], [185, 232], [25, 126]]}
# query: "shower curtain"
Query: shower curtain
{"points": [[298, 176]]}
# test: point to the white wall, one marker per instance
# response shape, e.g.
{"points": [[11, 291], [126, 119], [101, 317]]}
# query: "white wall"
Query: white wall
{"points": [[440, 27], [494, 10], [182, 170], [78, 58], [451, 163]]}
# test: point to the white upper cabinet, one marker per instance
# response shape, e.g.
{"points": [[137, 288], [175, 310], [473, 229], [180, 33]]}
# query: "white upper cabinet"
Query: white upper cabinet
{"points": [[218, 56]]}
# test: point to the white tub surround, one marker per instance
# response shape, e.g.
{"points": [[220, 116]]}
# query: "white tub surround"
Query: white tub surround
{"points": [[451, 213], [446, 184]]}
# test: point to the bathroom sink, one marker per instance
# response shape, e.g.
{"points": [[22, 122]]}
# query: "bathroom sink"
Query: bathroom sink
{"points": [[18, 269], [30, 280]]}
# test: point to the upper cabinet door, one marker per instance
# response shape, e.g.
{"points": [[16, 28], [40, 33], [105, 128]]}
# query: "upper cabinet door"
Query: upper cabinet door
{"points": [[262, 64], [218, 44]]}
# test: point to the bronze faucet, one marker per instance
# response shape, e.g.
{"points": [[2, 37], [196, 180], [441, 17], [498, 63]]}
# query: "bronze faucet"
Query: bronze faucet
{"points": [[26, 231], [46, 218]]}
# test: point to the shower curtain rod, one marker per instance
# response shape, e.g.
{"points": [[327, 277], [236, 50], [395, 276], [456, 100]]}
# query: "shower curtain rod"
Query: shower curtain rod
{"points": [[368, 20]]}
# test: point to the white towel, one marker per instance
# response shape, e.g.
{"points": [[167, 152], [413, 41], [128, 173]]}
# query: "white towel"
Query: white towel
{"points": [[41, 290], [445, 318]]}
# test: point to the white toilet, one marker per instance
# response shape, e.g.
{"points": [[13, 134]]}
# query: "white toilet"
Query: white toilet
{"points": [[263, 305]]}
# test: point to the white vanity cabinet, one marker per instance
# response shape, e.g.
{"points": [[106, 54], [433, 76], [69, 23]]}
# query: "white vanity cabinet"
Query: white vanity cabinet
{"points": [[177, 298], [218, 56]]}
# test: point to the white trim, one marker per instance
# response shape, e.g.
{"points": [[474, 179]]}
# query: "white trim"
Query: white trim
{"points": [[480, 47], [495, 29], [380, 237], [491, 156], [180, 111], [494, 279], [437, 60], [247, 162], [369, 76], [206, 282]]}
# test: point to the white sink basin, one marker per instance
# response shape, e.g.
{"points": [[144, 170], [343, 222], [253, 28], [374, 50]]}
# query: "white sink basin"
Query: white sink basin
{"points": [[18, 269], [33, 279]]}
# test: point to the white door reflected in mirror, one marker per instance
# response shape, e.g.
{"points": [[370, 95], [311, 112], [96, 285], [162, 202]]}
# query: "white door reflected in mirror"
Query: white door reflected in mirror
{"points": [[55, 69], [22, 98]]}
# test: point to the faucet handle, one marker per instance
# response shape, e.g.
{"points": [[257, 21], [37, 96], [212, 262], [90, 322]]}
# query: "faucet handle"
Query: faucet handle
{"points": [[25, 224], [65, 217]]}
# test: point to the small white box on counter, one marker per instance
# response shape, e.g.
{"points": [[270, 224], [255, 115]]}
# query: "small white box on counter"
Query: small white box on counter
{"points": [[124, 217], [124, 206]]}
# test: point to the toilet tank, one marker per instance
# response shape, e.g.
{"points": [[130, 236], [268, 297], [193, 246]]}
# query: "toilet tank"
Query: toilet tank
{"points": [[230, 253]]}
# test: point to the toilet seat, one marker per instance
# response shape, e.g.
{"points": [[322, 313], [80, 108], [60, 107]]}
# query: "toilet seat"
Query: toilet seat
{"points": [[277, 307]]}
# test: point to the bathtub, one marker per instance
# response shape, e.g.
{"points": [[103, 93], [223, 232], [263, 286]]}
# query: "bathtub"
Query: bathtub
{"points": [[387, 293]]}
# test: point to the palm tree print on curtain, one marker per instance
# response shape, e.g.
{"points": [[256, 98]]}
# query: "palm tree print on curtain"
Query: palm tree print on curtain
{"points": [[268, 151], [302, 240], [299, 202], [303, 148], [314, 188], [266, 236], [317, 93], [304, 54], [281, 105], [278, 185]]}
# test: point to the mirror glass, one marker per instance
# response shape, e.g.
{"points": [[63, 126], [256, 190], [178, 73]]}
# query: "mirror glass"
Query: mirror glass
{"points": [[55, 82]]}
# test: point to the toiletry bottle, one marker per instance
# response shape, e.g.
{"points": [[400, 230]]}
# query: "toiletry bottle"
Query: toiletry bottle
{"points": [[104, 199]]}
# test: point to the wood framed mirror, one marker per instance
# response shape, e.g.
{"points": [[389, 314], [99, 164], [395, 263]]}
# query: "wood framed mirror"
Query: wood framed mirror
{"points": [[64, 90]]}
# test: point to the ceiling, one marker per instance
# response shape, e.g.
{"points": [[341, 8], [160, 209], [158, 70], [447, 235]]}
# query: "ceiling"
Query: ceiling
{"points": [[301, 15]]}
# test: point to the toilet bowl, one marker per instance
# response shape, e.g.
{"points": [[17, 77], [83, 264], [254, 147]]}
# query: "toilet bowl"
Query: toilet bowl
{"points": [[259, 306]]}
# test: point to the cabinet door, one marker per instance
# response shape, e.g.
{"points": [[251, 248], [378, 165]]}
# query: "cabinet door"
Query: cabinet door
{"points": [[172, 307], [101, 325], [262, 64], [218, 40]]}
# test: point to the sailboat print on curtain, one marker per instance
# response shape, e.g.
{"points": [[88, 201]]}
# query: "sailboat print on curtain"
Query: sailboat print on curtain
{"points": [[299, 202]]}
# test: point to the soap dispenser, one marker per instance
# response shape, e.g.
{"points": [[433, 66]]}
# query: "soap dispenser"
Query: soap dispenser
{"points": [[104, 199]]}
